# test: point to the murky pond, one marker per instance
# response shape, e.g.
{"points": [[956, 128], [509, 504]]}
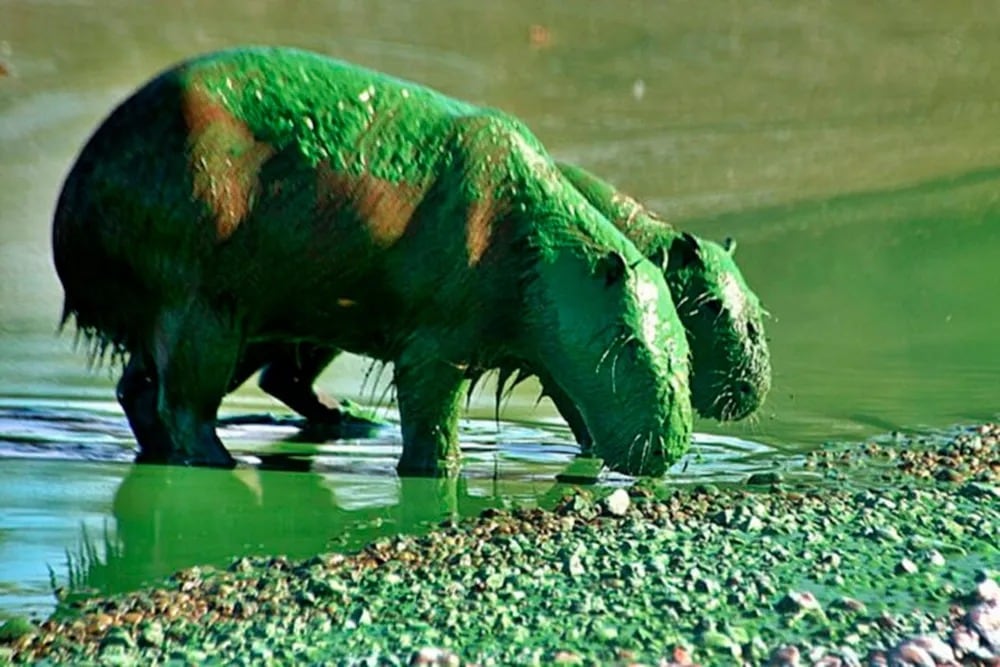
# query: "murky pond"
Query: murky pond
{"points": [[850, 148]]}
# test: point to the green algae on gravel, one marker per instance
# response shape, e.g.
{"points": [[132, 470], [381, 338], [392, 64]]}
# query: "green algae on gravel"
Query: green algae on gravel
{"points": [[735, 575]]}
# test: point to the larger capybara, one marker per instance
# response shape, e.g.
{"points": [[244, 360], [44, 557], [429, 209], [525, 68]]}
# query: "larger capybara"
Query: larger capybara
{"points": [[273, 195]]}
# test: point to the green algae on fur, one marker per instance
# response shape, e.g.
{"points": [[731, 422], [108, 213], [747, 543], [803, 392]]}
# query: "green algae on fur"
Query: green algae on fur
{"points": [[261, 195]]}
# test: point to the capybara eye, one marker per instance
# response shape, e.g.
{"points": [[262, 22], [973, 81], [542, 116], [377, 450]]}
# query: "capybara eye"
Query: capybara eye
{"points": [[714, 306]]}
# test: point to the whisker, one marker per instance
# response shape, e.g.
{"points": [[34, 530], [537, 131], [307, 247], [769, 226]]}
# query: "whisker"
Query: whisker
{"points": [[620, 340], [631, 446], [614, 364], [703, 298]]}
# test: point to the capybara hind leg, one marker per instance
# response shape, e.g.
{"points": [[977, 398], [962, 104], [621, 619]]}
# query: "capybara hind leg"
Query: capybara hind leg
{"points": [[254, 358], [138, 394], [197, 349], [428, 392], [290, 375]]}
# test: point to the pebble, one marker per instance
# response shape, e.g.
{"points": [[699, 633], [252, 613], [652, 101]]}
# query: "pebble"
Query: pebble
{"points": [[617, 503]]}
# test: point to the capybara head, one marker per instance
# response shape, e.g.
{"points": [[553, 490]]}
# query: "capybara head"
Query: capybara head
{"points": [[729, 360], [603, 326], [731, 372]]}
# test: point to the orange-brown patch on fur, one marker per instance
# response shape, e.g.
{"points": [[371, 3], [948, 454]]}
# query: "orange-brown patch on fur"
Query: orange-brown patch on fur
{"points": [[385, 208], [482, 215], [225, 159]]}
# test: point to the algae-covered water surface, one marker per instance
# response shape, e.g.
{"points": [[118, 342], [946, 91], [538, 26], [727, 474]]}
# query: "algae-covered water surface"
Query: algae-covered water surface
{"points": [[849, 148]]}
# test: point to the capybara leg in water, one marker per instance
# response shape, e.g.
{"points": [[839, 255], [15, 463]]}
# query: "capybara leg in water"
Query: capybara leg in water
{"points": [[171, 397]]}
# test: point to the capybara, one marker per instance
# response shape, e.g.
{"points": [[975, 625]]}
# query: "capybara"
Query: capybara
{"points": [[265, 195]]}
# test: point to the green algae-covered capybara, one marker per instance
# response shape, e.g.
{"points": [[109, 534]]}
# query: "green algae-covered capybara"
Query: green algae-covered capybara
{"points": [[722, 317], [265, 194]]}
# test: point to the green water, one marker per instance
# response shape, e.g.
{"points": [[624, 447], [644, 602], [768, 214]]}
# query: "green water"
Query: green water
{"points": [[851, 148]]}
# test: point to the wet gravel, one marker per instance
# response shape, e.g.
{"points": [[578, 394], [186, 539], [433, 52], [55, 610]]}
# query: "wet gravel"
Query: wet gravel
{"points": [[902, 571]]}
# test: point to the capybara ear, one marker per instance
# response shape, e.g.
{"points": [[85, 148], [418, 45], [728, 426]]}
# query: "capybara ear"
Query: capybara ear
{"points": [[659, 257], [684, 252], [729, 245], [612, 267]]}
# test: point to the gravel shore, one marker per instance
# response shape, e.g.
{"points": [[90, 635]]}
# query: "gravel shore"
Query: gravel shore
{"points": [[901, 571]]}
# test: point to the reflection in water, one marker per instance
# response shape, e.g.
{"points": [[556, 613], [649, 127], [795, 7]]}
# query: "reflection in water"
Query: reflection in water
{"points": [[169, 518]]}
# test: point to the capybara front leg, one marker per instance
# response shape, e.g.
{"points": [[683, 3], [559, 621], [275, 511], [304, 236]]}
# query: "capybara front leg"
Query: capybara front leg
{"points": [[196, 352], [138, 394], [569, 412], [428, 392]]}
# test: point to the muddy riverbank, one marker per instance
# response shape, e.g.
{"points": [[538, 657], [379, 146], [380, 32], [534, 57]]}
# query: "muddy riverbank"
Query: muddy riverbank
{"points": [[900, 567]]}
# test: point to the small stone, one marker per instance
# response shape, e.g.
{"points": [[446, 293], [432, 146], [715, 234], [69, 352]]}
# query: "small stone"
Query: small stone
{"points": [[681, 657], [850, 604], [935, 558], [910, 654], [566, 658], [831, 559], [849, 657], [964, 640], [887, 534], [617, 503], [764, 478], [359, 617], [720, 641], [706, 585], [434, 656], [798, 602], [785, 656], [987, 590], [574, 565], [906, 566], [151, 634], [946, 474], [605, 631], [984, 618], [939, 651], [117, 638]]}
